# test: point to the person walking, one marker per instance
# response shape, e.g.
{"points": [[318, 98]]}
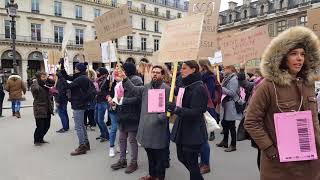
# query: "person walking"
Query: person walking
{"points": [[42, 107], [228, 112], [153, 126], [82, 92], [2, 94], [189, 131], [289, 65], [15, 87], [128, 117], [89, 120], [61, 99]]}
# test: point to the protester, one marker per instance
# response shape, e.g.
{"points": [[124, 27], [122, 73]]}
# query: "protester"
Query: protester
{"points": [[208, 79], [153, 127], [128, 117], [15, 87], [229, 112], [89, 120], [42, 107], [61, 100], [189, 131], [102, 103], [289, 65], [82, 92], [2, 94]]}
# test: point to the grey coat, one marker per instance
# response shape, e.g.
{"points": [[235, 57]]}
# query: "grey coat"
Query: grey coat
{"points": [[228, 110], [153, 131]]}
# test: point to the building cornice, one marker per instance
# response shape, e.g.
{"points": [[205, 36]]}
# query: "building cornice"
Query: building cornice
{"points": [[80, 25], [35, 19], [59, 22]]}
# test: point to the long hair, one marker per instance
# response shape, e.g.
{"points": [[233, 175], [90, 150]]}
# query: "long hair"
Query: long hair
{"points": [[92, 75], [193, 65], [206, 66]]}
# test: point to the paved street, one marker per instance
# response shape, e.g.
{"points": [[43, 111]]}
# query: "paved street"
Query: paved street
{"points": [[20, 160]]}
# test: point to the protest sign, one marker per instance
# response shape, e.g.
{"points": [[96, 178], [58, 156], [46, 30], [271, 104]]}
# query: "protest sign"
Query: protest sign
{"points": [[217, 59], [113, 24], [181, 39], [108, 52], [156, 101], [245, 45], [314, 20], [92, 51], [210, 8]]}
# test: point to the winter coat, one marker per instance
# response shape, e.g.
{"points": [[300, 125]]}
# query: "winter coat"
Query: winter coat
{"points": [[209, 81], [231, 88], [153, 131], [15, 87], [62, 88], [263, 105], [190, 127], [129, 112], [103, 90], [43, 101], [79, 88]]}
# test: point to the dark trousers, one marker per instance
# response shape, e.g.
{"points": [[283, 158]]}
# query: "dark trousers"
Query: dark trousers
{"points": [[43, 125], [229, 126], [89, 118], [258, 158], [188, 156], [157, 162], [1, 102]]}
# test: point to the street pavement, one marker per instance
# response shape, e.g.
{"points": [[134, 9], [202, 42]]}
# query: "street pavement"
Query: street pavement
{"points": [[21, 160]]}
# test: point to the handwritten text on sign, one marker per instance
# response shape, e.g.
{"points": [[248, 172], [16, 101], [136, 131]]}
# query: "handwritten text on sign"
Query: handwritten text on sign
{"points": [[113, 24], [245, 45]]}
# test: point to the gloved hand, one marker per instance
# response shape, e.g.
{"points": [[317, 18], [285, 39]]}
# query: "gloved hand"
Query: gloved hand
{"points": [[61, 62], [41, 83], [171, 106]]}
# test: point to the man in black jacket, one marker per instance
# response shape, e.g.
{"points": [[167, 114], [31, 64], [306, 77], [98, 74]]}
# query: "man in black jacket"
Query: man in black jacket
{"points": [[62, 103]]}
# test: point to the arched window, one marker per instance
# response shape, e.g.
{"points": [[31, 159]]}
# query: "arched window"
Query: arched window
{"points": [[261, 10], [245, 14]]}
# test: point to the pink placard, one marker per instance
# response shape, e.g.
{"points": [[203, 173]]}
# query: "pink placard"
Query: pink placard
{"points": [[242, 93], [180, 97], [156, 101], [223, 96], [295, 136]]}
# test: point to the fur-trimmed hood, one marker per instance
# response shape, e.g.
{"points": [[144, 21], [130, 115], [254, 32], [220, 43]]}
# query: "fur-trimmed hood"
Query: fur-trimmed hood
{"points": [[14, 77], [280, 47]]}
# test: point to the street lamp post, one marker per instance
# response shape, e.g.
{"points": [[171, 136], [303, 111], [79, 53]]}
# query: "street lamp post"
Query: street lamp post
{"points": [[12, 8]]}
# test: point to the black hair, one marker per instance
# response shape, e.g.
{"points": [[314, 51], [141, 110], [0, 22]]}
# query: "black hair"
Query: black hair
{"points": [[39, 74], [193, 65], [159, 67]]}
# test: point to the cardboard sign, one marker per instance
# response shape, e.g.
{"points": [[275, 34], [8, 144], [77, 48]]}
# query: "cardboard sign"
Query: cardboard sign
{"points": [[295, 136], [314, 20], [245, 45], [113, 24], [180, 97], [210, 8], [92, 51], [108, 52], [217, 59], [181, 39], [156, 101]]}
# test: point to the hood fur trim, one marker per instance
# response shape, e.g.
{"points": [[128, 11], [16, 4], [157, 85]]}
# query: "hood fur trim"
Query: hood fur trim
{"points": [[280, 47], [14, 77]]}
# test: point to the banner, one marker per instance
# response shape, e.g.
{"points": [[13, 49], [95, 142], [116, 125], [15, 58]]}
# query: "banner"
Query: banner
{"points": [[108, 51], [180, 40], [245, 45], [314, 20], [210, 8], [113, 24], [92, 51]]}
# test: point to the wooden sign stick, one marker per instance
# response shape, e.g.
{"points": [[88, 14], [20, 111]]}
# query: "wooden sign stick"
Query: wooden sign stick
{"points": [[173, 84]]}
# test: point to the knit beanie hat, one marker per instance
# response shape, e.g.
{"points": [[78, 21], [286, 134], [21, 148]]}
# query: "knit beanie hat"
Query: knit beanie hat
{"points": [[103, 71], [82, 67], [129, 68]]}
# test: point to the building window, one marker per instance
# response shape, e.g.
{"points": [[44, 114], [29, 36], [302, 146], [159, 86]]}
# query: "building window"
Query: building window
{"points": [[261, 10], [245, 14], [281, 4], [130, 20], [35, 6], [156, 26], [156, 11], [156, 44], [114, 3], [165, 2], [6, 2], [143, 8], [303, 20], [7, 28], [79, 36], [281, 26], [129, 42], [230, 18], [116, 42], [143, 23], [143, 44], [97, 12], [78, 12], [271, 29], [179, 15], [36, 32], [58, 34], [168, 14], [57, 8], [129, 4]]}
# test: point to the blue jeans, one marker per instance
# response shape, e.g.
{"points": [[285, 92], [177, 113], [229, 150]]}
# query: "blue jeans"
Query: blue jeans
{"points": [[114, 128], [205, 154], [15, 105], [78, 116], [63, 114], [99, 116]]}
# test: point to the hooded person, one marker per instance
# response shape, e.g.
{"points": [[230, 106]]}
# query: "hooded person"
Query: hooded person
{"points": [[289, 65]]}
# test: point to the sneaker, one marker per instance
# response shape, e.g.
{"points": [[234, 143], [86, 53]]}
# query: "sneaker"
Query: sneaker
{"points": [[18, 115], [131, 168], [111, 152], [119, 165], [61, 130], [103, 140], [82, 149], [97, 138], [231, 149], [204, 169]]}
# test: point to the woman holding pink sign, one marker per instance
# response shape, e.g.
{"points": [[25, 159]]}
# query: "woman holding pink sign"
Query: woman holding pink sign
{"points": [[282, 114]]}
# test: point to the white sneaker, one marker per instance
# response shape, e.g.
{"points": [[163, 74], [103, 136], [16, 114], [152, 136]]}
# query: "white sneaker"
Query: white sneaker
{"points": [[111, 152]]}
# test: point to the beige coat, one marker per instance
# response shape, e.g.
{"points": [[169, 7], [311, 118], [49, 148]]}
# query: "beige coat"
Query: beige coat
{"points": [[15, 86], [259, 120]]}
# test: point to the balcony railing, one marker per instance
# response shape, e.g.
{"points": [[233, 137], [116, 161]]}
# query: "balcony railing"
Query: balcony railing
{"points": [[152, 13], [135, 49]]}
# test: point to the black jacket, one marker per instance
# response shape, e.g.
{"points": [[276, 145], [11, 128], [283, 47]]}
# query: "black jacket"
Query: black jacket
{"points": [[62, 87], [104, 90], [79, 88], [189, 127]]}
